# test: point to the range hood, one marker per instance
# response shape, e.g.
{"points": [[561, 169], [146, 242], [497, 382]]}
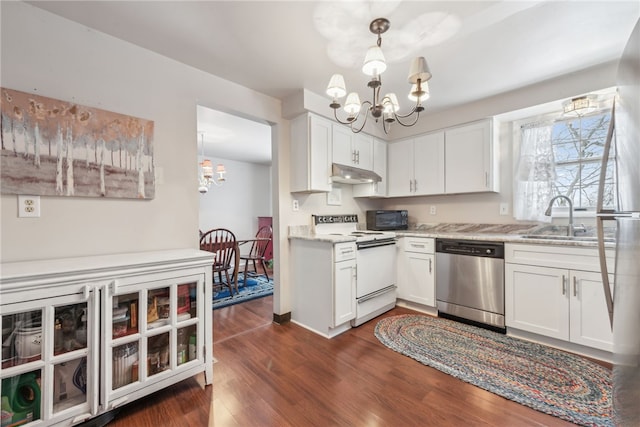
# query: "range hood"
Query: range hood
{"points": [[350, 175]]}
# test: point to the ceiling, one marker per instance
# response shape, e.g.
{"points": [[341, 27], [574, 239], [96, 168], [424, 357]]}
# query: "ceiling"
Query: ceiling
{"points": [[475, 49]]}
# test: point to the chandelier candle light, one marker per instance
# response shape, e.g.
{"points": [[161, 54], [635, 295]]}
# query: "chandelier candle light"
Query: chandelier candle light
{"points": [[205, 172], [386, 107]]}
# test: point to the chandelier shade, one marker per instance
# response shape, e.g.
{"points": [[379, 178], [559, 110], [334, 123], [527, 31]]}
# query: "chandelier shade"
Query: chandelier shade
{"points": [[419, 71], [374, 63], [421, 95], [386, 107], [336, 87], [390, 103], [352, 106], [205, 172]]}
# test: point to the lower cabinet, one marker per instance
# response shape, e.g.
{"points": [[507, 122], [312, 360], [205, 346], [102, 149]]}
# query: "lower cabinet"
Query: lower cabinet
{"points": [[562, 303], [416, 270], [83, 336], [324, 285]]}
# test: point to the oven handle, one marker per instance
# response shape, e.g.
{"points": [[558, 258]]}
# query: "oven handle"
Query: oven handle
{"points": [[376, 294], [375, 244]]}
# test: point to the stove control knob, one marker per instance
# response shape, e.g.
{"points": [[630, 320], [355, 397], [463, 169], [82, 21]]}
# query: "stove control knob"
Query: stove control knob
{"points": [[488, 251]]}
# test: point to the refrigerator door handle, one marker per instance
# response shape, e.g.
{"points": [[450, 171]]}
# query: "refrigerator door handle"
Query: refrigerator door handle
{"points": [[603, 268], [601, 215]]}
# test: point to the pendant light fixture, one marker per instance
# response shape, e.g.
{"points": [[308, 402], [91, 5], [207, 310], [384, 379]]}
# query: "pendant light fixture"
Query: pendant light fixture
{"points": [[385, 107], [205, 171], [580, 106]]}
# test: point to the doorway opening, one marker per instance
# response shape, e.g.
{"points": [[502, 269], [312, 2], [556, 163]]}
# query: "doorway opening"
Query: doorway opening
{"points": [[242, 202]]}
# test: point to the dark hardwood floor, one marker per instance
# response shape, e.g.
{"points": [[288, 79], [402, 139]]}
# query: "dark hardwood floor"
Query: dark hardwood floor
{"points": [[283, 375]]}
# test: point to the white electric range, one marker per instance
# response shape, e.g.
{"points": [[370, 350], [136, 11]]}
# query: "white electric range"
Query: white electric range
{"points": [[375, 265]]}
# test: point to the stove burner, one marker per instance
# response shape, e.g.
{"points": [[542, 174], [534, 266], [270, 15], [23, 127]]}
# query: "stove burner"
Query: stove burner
{"points": [[365, 233]]}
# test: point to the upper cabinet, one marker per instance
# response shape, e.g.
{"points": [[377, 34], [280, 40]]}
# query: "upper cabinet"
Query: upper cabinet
{"points": [[416, 166], [375, 189], [455, 160], [310, 160], [352, 149], [470, 158]]}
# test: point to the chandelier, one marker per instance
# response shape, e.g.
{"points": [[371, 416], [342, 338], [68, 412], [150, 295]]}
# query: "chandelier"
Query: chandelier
{"points": [[386, 107], [205, 172]]}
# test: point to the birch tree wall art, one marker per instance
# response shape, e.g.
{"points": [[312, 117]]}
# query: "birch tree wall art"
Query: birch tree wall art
{"points": [[57, 148]]}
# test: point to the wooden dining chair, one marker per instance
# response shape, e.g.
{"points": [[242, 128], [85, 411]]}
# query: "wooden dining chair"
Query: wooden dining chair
{"points": [[258, 249], [222, 243]]}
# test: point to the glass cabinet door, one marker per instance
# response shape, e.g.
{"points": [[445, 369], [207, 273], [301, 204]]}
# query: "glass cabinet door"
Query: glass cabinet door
{"points": [[21, 338], [70, 339], [152, 329], [47, 354]]}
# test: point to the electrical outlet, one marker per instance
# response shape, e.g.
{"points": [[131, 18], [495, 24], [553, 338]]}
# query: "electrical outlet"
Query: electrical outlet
{"points": [[504, 208], [28, 206], [432, 210], [295, 205]]}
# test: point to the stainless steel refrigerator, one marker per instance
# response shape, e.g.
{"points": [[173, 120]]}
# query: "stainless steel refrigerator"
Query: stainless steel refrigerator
{"points": [[624, 304]]}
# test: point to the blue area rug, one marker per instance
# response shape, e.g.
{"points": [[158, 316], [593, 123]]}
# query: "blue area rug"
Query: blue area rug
{"points": [[543, 378], [255, 287]]}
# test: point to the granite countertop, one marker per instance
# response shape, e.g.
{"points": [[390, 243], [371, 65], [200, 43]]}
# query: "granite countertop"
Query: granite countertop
{"points": [[508, 233]]}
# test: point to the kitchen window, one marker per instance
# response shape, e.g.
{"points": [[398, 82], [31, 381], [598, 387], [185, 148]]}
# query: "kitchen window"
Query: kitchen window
{"points": [[562, 156], [578, 147]]}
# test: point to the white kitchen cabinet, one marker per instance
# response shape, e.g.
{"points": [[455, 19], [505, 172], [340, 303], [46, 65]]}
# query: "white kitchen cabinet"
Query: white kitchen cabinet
{"points": [[416, 166], [471, 162], [324, 285], [416, 270], [375, 189], [84, 335], [344, 284], [545, 294], [352, 149], [310, 159]]}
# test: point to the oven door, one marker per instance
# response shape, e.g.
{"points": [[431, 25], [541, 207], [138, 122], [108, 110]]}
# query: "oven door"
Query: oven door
{"points": [[376, 268]]}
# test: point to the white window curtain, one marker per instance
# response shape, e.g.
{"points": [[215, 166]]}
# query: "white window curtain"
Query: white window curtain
{"points": [[535, 173]]}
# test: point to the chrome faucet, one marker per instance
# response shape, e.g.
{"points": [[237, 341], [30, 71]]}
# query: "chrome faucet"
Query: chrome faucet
{"points": [[571, 229]]}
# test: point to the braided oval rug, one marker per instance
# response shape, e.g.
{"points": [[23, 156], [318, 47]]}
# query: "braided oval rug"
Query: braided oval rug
{"points": [[548, 380]]}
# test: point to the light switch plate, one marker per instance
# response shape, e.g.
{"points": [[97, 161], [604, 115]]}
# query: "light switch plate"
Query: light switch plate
{"points": [[28, 206], [504, 208]]}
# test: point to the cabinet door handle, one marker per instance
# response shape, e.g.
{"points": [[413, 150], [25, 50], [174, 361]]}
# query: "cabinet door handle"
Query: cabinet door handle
{"points": [[486, 179], [575, 286], [429, 265], [564, 284], [415, 185]]}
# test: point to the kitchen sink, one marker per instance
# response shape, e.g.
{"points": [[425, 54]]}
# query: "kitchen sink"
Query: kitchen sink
{"points": [[569, 238]]}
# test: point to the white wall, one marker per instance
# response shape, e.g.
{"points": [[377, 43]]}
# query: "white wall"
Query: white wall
{"points": [[237, 204], [51, 56]]}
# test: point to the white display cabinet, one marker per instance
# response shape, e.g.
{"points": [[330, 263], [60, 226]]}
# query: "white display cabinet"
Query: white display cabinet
{"points": [[82, 336]]}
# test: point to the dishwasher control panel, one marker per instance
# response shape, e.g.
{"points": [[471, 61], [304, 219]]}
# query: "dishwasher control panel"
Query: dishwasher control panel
{"points": [[470, 247]]}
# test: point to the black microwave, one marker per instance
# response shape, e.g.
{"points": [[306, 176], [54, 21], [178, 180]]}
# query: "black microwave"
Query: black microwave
{"points": [[387, 220]]}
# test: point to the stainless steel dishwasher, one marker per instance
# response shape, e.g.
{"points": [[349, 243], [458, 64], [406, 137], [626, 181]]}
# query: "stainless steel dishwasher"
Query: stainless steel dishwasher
{"points": [[470, 282]]}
